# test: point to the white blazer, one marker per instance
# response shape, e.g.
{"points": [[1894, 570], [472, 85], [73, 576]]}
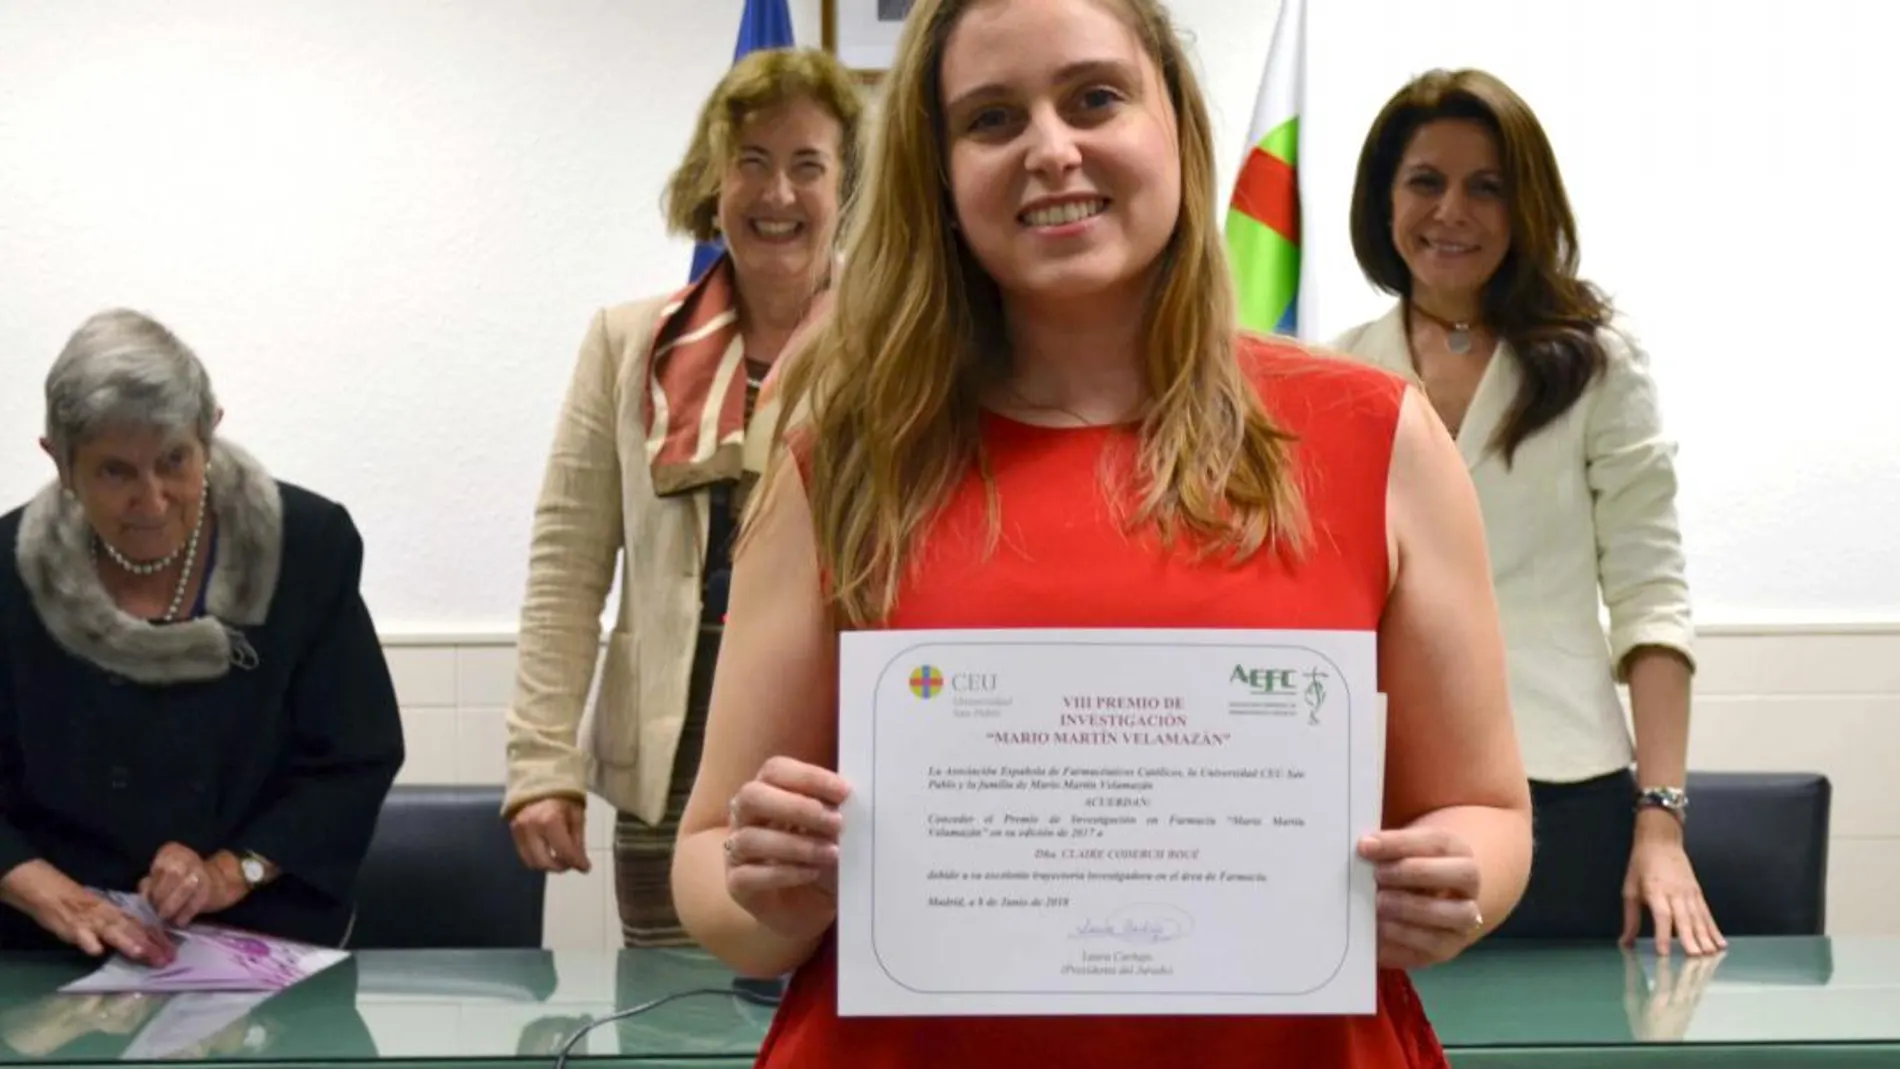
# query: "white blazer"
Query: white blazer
{"points": [[1584, 519]]}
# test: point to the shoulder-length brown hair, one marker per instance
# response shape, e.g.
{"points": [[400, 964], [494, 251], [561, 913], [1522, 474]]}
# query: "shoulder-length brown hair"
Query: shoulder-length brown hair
{"points": [[1535, 301], [760, 80], [890, 380]]}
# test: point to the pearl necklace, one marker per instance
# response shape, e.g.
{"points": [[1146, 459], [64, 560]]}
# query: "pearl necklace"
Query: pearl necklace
{"points": [[190, 552], [127, 564]]}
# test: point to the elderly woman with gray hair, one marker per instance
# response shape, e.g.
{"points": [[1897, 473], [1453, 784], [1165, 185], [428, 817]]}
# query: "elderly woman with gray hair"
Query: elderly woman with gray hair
{"points": [[194, 706]]}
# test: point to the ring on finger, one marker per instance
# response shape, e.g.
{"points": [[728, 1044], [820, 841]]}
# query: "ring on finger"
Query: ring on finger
{"points": [[732, 812], [732, 849]]}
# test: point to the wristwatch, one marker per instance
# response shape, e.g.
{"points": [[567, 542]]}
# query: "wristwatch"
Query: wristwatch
{"points": [[1673, 800], [255, 869]]}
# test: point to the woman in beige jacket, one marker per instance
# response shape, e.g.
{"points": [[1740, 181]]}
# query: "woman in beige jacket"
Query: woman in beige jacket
{"points": [[1459, 211], [661, 436]]}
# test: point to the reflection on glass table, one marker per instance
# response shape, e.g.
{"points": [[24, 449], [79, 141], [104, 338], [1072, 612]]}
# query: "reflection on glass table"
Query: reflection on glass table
{"points": [[436, 1005], [316, 1018], [1796, 990]]}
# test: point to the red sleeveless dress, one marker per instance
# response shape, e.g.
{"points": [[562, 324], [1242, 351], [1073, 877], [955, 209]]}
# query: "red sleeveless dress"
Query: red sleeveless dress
{"points": [[1063, 561]]}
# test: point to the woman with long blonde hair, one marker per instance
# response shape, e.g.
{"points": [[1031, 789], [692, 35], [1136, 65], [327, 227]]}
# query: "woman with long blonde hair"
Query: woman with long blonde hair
{"points": [[1031, 380]]}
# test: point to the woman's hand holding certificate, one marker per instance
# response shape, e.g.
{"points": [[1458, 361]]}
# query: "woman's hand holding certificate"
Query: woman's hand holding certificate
{"points": [[1428, 895], [782, 847]]}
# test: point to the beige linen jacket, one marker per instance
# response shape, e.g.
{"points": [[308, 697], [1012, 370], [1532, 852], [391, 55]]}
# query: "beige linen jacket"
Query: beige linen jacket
{"points": [[597, 508], [1584, 520]]}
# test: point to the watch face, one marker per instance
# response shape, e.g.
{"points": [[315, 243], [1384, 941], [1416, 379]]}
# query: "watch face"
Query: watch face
{"points": [[253, 870]]}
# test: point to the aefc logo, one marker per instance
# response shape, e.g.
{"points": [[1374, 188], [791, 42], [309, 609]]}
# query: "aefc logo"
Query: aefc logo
{"points": [[1265, 682], [926, 681]]}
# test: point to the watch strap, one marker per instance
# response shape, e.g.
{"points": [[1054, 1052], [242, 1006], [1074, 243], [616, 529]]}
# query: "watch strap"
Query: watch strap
{"points": [[1673, 800]]}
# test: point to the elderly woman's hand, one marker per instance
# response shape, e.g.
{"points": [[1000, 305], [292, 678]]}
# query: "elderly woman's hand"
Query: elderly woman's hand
{"points": [[57, 903], [183, 885]]}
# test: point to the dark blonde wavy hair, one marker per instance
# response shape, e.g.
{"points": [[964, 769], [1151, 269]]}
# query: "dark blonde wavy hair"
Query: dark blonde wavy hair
{"points": [[760, 80], [886, 390]]}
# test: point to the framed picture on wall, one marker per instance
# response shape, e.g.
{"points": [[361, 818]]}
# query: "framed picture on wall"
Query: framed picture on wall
{"points": [[863, 33]]}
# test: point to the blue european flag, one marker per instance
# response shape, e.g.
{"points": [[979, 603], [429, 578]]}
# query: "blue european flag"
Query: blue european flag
{"points": [[764, 24]]}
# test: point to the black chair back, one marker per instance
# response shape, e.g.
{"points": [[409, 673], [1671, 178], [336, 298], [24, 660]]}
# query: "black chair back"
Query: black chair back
{"points": [[1758, 841], [442, 873]]}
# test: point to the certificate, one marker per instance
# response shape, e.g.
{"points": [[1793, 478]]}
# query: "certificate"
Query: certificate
{"points": [[1107, 822]]}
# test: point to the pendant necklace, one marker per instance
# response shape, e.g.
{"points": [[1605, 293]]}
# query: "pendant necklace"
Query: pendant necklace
{"points": [[1457, 334]]}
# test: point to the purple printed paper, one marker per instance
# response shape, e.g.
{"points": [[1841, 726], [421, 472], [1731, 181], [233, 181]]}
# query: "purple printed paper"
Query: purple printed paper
{"points": [[210, 957]]}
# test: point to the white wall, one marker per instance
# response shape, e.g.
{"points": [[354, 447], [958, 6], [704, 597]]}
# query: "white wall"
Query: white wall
{"points": [[384, 223]]}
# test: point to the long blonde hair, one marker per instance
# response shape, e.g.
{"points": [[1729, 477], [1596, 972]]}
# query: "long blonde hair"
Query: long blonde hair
{"points": [[887, 387]]}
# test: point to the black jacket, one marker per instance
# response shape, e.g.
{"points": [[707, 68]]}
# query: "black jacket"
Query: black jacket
{"points": [[270, 725]]}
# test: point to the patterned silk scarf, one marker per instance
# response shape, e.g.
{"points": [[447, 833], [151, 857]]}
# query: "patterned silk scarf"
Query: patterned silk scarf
{"points": [[696, 387]]}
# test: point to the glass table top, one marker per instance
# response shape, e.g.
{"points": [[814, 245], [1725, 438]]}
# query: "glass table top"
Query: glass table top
{"points": [[524, 1004]]}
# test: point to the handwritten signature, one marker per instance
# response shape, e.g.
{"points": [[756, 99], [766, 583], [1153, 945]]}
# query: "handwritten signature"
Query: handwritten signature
{"points": [[1141, 923]]}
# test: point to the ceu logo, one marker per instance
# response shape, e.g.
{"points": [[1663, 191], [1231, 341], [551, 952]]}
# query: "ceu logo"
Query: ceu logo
{"points": [[926, 681]]}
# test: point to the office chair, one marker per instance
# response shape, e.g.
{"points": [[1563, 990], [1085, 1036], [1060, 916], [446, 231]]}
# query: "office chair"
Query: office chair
{"points": [[1759, 844], [442, 873]]}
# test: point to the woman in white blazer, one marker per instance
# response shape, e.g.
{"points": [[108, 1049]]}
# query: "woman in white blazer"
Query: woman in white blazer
{"points": [[1459, 211]]}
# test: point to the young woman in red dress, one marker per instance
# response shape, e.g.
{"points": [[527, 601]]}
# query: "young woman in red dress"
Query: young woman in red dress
{"points": [[1030, 406]]}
